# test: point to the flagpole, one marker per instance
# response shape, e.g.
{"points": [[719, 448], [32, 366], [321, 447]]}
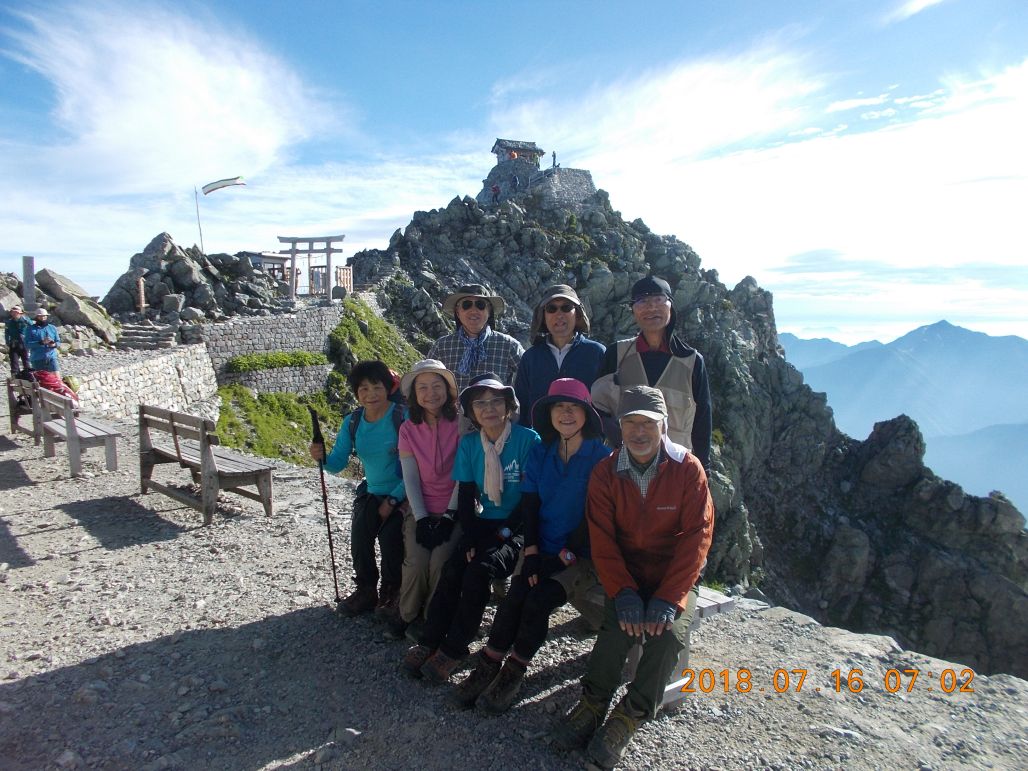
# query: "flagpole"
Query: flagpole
{"points": [[196, 200]]}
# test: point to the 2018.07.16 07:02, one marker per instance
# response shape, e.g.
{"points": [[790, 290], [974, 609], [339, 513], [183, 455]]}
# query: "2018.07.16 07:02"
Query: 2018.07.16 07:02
{"points": [[839, 680]]}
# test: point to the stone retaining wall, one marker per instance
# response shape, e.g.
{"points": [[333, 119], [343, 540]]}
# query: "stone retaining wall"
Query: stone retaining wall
{"points": [[173, 379], [306, 331], [299, 380]]}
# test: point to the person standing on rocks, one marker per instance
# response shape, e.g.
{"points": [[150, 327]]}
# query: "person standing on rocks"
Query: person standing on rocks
{"points": [[41, 341], [476, 348], [379, 501], [428, 448], [555, 566], [651, 520], [658, 357], [560, 348], [488, 470], [14, 339]]}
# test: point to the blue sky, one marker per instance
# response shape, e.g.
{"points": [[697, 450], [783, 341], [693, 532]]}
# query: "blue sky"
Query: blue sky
{"points": [[863, 159]]}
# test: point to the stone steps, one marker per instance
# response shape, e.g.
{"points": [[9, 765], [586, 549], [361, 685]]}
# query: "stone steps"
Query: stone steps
{"points": [[147, 337]]}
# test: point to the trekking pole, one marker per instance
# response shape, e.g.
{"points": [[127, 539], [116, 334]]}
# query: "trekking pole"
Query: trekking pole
{"points": [[320, 439]]}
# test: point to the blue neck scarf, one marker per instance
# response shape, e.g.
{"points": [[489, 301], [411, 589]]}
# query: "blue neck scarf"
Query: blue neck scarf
{"points": [[474, 350]]}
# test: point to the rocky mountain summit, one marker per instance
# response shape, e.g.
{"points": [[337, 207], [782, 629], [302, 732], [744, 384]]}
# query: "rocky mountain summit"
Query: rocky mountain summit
{"points": [[858, 534], [184, 284]]}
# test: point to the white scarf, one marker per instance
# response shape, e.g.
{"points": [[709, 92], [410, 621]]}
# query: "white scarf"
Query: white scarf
{"points": [[493, 467]]}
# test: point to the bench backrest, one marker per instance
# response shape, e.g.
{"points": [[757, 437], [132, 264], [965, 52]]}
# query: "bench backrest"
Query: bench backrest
{"points": [[53, 405], [177, 424]]}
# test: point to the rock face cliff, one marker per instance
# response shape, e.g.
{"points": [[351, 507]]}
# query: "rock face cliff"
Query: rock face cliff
{"points": [[856, 534]]}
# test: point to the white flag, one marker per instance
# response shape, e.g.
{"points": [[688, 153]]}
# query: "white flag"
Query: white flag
{"points": [[212, 186]]}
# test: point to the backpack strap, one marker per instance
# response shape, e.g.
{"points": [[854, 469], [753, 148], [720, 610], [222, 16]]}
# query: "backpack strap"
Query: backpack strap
{"points": [[355, 420]]}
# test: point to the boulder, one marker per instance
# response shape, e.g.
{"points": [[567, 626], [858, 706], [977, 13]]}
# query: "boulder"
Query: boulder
{"points": [[84, 312], [58, 286]]}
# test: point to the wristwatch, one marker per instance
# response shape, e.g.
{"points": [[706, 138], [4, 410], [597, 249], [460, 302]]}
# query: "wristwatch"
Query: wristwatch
{"points": [[504, 533], [394, 502]]}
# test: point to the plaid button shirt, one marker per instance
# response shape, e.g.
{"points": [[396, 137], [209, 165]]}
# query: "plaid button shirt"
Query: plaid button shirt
{"points": [[502, 354], [643, 479]]}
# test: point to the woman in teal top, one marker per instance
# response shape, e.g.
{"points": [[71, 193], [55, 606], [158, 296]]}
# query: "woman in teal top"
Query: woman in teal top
{"points": [[488, 470], [379, 500]]}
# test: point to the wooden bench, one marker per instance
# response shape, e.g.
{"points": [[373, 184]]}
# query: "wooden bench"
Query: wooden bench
{"points": [[709, 603], [21, 402], [59, 423], [194, 445]]}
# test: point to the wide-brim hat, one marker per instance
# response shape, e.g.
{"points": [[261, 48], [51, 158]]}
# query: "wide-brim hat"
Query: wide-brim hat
{"points": [[16, 308], [566, 389], [473, 290], [41, 313], [491, 381], [428, 365], [552, 293], [643, 400]]}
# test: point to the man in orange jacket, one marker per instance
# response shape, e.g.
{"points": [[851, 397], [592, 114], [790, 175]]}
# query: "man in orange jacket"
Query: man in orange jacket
{"points": [[650, 525]]}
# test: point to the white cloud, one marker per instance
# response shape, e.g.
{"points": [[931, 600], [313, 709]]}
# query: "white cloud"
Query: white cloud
{"points": [[909, 8], [150, 101], [852, 104]]}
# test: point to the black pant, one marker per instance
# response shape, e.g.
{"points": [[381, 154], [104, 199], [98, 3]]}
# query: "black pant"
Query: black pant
{"points": [[19, 358], [524, 615], [366, 527], [455, 612]]}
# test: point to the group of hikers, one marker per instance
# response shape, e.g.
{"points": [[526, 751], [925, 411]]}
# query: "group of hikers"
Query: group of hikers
{"points": [[32, 348], [559, 467]]}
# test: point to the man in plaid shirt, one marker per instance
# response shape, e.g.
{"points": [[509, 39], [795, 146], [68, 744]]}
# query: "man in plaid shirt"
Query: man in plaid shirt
{"points": [[476, 348]]}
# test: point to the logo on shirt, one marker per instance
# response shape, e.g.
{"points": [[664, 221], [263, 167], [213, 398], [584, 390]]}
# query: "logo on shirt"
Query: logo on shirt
{"points": [[512, 471]]}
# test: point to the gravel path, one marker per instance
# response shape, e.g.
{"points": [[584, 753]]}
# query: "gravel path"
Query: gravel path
{"points": [[134, 638]]}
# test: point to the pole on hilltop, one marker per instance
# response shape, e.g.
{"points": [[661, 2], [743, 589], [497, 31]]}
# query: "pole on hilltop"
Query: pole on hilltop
{"points": [[196, 200]]}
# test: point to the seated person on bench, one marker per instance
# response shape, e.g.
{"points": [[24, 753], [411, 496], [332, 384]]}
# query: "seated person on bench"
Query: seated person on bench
{"points": [[651, 519]]}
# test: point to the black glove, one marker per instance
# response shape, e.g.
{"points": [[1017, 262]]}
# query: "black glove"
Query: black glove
{"points": [[424, 532], [660, 612], [530, 567], [443, 530], [629, 607]]}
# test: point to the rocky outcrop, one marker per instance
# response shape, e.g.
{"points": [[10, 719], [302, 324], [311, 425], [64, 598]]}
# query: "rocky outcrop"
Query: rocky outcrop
{"points": [[84, 326], [856, 534], [183, 285]]}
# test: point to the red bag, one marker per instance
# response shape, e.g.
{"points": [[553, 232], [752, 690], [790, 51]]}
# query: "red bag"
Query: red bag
{"points": [[51, 382]]}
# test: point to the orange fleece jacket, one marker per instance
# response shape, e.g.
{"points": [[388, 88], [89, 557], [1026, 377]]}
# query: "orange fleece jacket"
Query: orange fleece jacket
{"points": [[656, 545]]}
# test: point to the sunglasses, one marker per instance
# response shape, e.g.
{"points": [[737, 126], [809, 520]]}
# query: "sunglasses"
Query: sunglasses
{"points": [[565, 308], [466, 305]]}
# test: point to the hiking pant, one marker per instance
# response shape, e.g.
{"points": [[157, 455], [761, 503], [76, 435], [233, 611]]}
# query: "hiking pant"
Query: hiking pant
{"points": [[19, 358], [422, 569], [365, 528], [455, 612], [523, 618], [659, 659]]}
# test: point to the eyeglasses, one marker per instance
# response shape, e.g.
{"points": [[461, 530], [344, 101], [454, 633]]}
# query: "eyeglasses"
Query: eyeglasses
{"points": [[466, 305], [565, 308], [489, 404], [650, 300]]}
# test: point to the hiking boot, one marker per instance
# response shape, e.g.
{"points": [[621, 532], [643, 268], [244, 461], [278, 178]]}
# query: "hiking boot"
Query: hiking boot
{"points": [[415, 659], [578, 725], [485, 671], [396, 628], [439, 667], [499, 589], [363, 599], [608, 746], [388, 602], [501, 692]]}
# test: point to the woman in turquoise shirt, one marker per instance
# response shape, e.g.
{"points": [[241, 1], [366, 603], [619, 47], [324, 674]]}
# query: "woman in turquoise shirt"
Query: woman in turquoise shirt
{"points": [[380, 497], [488, 470]]}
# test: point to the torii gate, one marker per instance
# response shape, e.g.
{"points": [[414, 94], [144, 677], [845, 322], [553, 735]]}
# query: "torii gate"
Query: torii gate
{"points": [[328, 250]]}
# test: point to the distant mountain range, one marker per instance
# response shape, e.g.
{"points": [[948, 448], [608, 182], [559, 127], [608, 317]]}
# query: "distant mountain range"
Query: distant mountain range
{"points": [[966, 390]]}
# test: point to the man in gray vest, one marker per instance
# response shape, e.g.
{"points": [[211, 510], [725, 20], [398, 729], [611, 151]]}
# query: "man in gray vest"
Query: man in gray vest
{"points": [[658, 357]]}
